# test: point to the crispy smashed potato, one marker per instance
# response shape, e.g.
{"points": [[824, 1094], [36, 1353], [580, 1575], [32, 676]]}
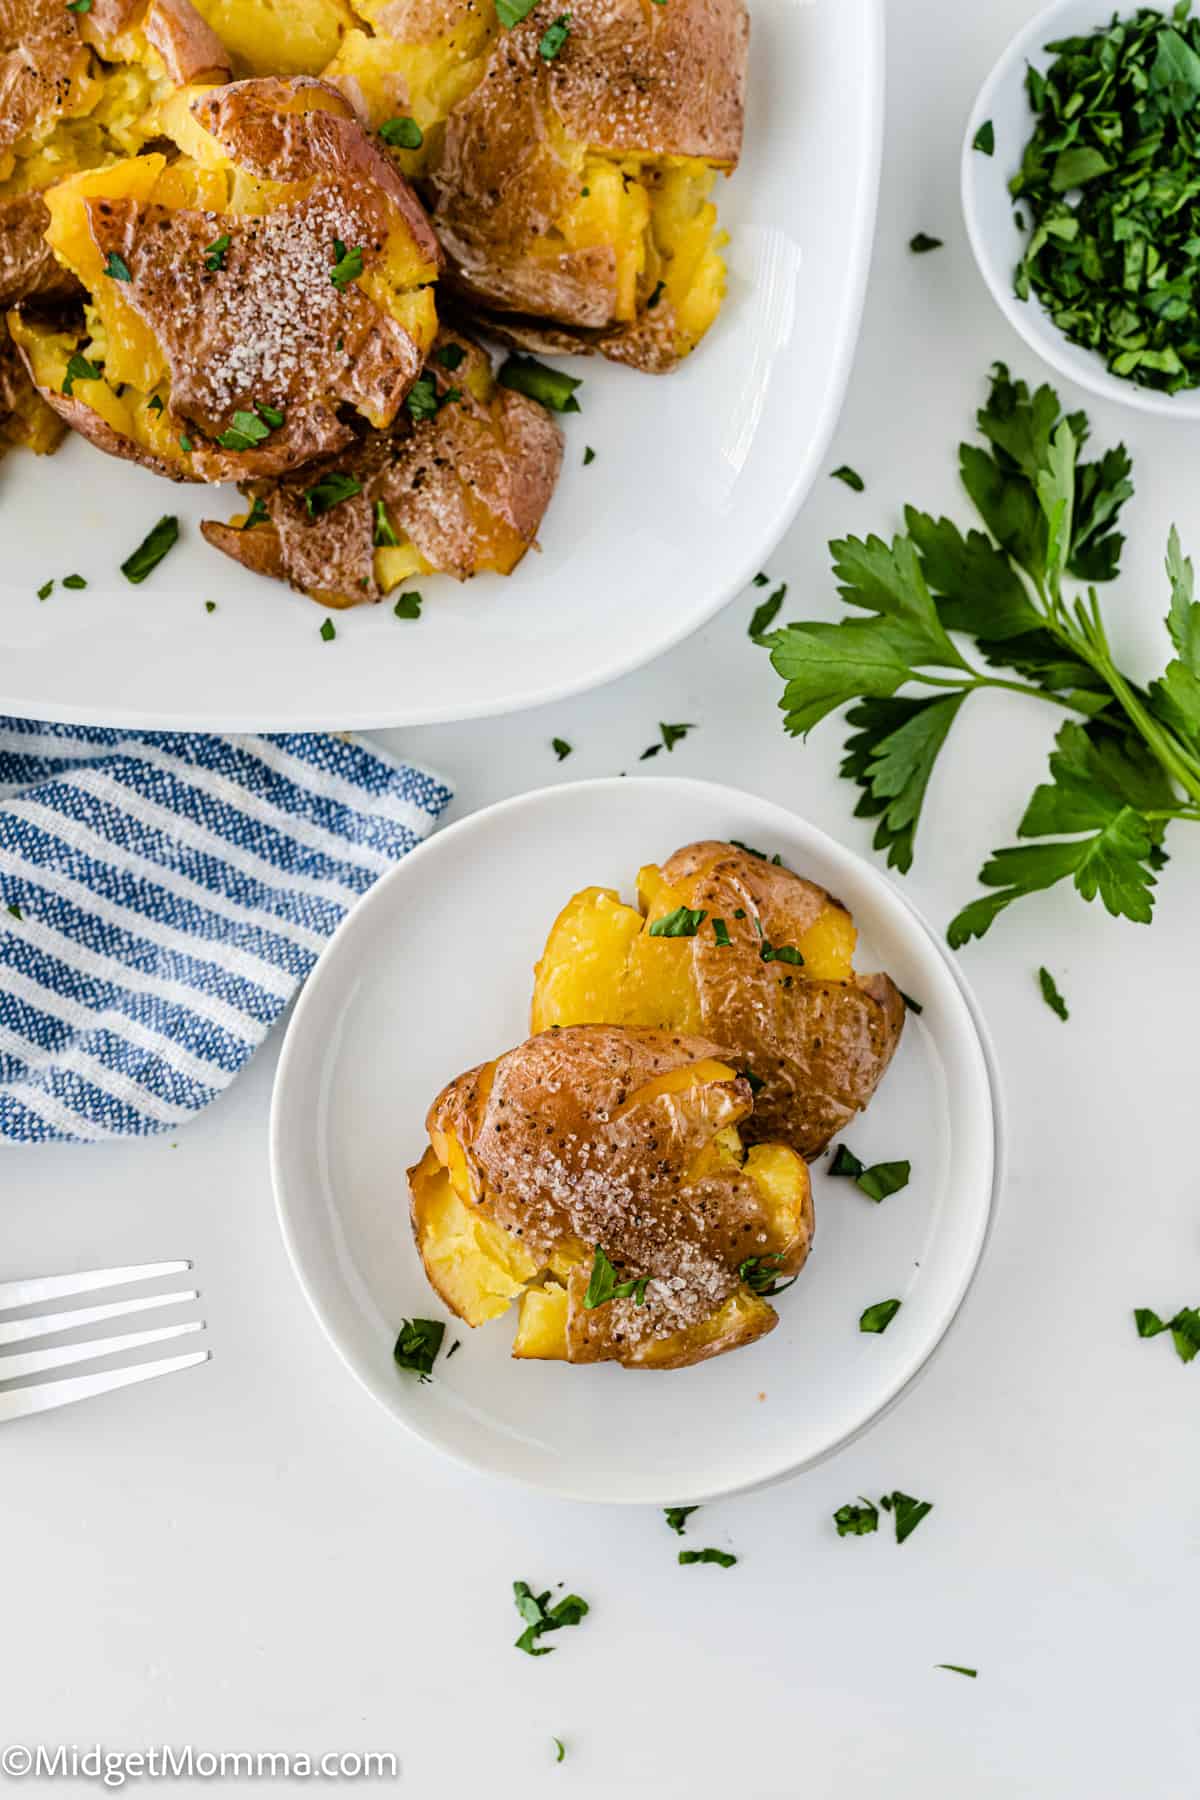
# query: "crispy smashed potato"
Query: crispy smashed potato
{"points": [[780, 996], [597, 1175], [239, 297], [458, 491], [570, 192]]}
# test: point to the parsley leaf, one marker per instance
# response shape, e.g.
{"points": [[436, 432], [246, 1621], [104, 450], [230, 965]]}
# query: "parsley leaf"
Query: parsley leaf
{"points": [[403, 134], [851, 477], [589, 455], [674, 734], [328, 631], [551, 387], [856, 1521], [540, 1617], [1051, 995], [561, 748], [722, 1558], [46, 589], [347, 265], [450, 355], [958, 1669], [906, 1512], [676, 1515], [876, 1182], [330, 491], [554, 37], [1184, 1329], [116, 266], [603, 1285], [149, 553], [418, 1344], [877, 1318], [923, 243], [214, 254], [79, 581], [985, 139], [765, 612], [560, 1749], [79, 369], [759, 1273], [408, 606], [384, 535], [511, 12], [682, 922]]}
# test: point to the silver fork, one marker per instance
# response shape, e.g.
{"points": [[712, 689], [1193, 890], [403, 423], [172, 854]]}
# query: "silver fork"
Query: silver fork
{"points": [[18, 1401]]}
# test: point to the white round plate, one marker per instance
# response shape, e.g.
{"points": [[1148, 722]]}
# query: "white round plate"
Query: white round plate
{"points": [[696, 477], [989, 211], [431, 973]]}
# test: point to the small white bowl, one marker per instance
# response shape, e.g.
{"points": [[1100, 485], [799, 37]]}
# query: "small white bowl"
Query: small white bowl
{"points": [[431, 973], [988, 205]]}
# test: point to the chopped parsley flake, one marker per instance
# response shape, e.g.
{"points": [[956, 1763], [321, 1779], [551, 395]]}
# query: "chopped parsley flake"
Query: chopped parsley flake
{"points": [[561, 748], [560, 1749], [957, 1668], [210, 606], [877, 1318], [906, 1512], [450, 355], [116, 266], [555, 37], [722, 1558], [46, 589], [914, 1006], [150, 552], [408, 606], [763, 616], [1184, 1329], [759, 1273], [856, 1521], [589, 455], [721, 933], [922, 244], [677, 1515], [348, 264], [540, 1617], [328, 631], [511, 12], [402, 134], [1051, 995], [385, 536], [877, 1182], [851, 477], [79, 369], [985, 139], [603, 1285], [550, 387], [682, 922], [330, 491], [185, 444], [420, 1339], [660, 288], [257, 514], [214, 254], [74, 581]]}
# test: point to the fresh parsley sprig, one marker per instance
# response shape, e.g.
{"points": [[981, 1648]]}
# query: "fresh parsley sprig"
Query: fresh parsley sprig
{"points": [[1126, 761]]}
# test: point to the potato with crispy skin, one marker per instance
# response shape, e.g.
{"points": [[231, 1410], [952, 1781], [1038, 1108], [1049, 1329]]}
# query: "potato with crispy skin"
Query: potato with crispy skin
{"points": [[726, 943], [597, 1174], [277, 273], [75, 90], [569, 160], [458, 490]]}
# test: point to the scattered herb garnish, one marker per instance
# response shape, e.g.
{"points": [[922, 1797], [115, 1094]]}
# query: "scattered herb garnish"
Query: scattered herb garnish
{"points": [[759, 1273], [856, 1521], [878, 1181], [14, 911], [957, 1668], [251, 428], [761, 580], [761, 855], [923, 243], [554, 37], [541, 1618], [347, 265], [418, 1343], [1109, 182], [185, 444], [721, 934], [914, 1006], [210, 606], [553, 388], [560, 1749], [561, 748], [676, 1516], [851, 477], [46, 589], [985, 139], [722, 1558], [155, 404], [328, 631], [673, 734], [682, 922], [79, 6], [79, 369], [214, 254], [330, 491], [403, 134], [1184, 1329], [257, 514], [456, 1345], [408, 606], [784, 953], [149, 553], [1051, 995], [589, 455], [423, 400], [1125, 765], [450, 355], [763, 616], [115, 265], [906, 1512], [877, 1318], [77, 581], [660, 288], [511, 12], [385, 537], [603, 1285]]}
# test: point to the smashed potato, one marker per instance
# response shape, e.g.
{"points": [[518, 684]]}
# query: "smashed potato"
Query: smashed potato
{"points": [[754, 957], [240, 297], [597, 1175], [461, 490]]}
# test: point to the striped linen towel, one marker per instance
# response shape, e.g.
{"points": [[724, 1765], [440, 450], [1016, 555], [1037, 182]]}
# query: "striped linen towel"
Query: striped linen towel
{"points": [[162, 897]]}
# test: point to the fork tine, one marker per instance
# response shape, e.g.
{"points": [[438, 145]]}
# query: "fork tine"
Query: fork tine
{"points": [[18, 1403], [18, 1331], [36, 1362], [52, 1287]]}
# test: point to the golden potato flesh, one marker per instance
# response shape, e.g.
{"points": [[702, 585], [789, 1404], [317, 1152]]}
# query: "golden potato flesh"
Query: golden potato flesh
{"points": [[603, 1149], [762, 965]]}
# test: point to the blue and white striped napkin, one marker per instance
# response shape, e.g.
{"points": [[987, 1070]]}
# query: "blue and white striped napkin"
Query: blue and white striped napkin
{"points": [[162, 897]]}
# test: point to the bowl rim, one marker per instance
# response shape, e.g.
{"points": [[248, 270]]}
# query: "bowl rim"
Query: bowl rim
{"points": [[1074, 363], [295, 1050]]}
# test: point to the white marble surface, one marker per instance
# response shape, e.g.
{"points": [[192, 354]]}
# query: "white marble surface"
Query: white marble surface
{"points": [[251, 1556]]}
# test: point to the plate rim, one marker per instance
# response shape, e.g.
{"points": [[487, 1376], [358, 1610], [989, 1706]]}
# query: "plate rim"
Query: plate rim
{"points": [[387, 716], [295, 1043]]}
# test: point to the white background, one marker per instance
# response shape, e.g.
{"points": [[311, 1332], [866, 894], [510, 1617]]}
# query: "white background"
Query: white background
{"points": [[251, 1555]]}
